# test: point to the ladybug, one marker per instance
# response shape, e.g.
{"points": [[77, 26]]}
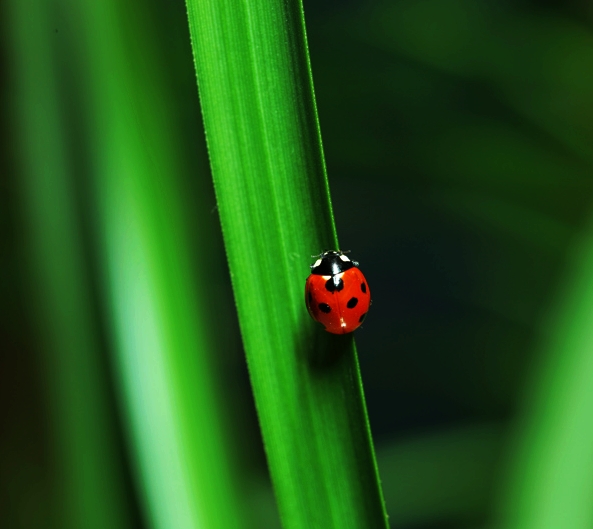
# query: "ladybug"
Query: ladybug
{"points": [[337, 293]]}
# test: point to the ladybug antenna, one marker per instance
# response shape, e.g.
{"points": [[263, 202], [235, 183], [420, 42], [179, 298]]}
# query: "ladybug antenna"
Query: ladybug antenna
{"points": [[342, 252], [319, 255]]}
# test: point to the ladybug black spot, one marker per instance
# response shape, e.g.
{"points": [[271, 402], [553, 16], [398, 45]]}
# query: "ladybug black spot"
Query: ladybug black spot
{"points": [[352, 302], [334, 283], [361, 319], [363, 287], [324, 307], [310, 297]]}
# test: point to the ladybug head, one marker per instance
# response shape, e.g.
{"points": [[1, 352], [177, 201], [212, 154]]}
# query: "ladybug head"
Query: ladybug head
{"points": [[331, 263]]}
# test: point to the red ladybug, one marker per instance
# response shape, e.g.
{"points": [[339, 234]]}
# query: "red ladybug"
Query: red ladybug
{"points": [[337, 293]]}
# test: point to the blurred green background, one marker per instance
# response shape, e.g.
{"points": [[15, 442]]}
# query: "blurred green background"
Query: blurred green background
{"points": [[458, 141]]}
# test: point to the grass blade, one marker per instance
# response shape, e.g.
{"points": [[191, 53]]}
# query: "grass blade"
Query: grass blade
{"points": [[157, 309], [549, 482], [265, 151], [85, 486]]}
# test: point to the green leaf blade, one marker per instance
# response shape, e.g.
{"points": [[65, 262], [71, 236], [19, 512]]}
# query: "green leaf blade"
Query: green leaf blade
{"points": [[273, 198]]}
